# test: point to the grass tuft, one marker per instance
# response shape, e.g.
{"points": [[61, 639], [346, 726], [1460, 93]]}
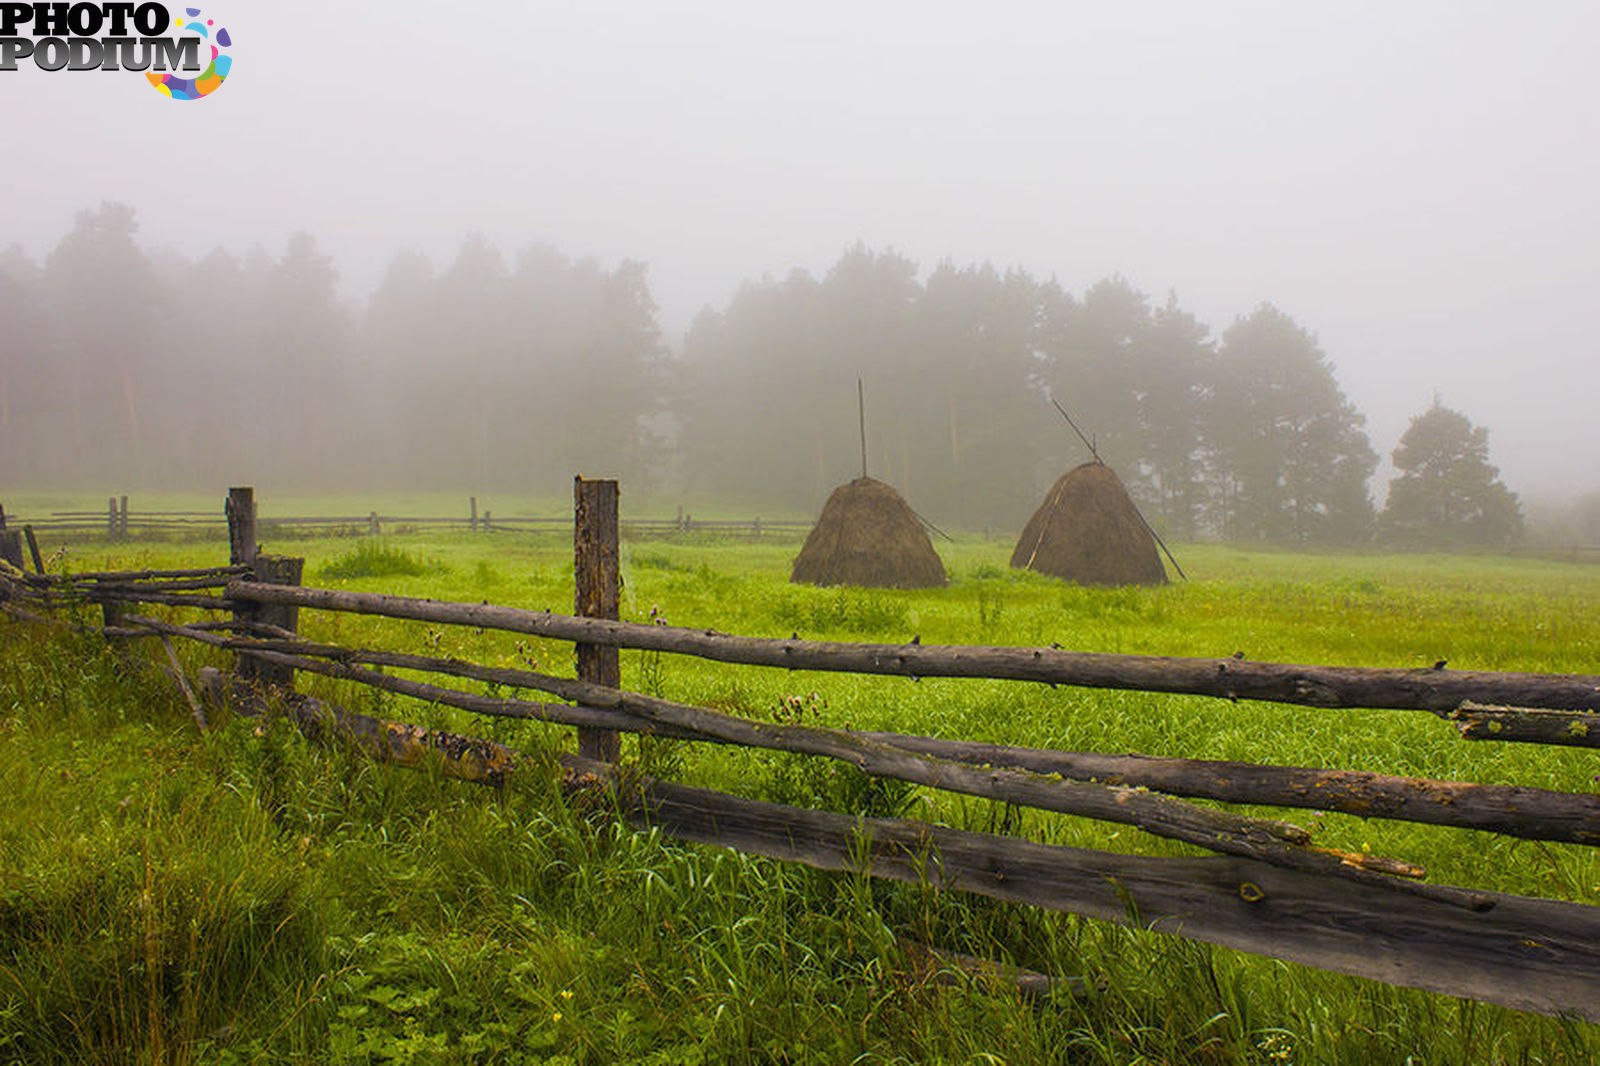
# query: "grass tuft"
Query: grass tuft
{"points": [[377, 558]]}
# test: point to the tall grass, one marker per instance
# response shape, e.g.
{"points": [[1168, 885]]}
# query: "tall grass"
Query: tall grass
{"points": [[246, 897]]}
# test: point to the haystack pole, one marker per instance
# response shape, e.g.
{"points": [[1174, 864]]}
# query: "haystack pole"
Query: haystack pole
{"points": [[868, 535], [1087, 443]]}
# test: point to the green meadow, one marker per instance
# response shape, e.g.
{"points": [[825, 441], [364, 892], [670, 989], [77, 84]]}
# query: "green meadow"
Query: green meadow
{"points": [[242, 896]]}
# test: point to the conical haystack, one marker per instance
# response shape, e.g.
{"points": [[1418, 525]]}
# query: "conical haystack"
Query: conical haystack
{"points": [[1088, 531], [868, 535]]}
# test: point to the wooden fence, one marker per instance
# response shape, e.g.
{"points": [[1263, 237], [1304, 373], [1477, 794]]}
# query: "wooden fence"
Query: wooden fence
{"points": [[1269, 889], [119, 522]]}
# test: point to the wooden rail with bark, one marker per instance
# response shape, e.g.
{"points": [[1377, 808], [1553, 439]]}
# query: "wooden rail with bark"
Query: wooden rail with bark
{"points": [[1439, 691]]}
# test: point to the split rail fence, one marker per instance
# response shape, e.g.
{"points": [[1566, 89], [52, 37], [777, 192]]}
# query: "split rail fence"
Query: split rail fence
{"points": [[118, 522], [1269, 888]]}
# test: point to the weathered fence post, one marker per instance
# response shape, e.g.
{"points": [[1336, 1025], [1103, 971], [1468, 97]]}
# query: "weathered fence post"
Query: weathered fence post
{"points": [[597, 572], [111, 517], [272, 570], [33, 549], [373, 528], [241, 512], [472, 521], [122, 518], [10, 543], [11, 547]]}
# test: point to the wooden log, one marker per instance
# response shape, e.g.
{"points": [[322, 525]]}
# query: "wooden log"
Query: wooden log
{"points": [[401, 743], [195, 708], [1435, 690], [1527, 954], [150, 575], [559, 713], [1531, 813], [33, 549], [240, 509], [1275, 842], [181, 584], [168, 599], [1481, 722], [597, 573]]}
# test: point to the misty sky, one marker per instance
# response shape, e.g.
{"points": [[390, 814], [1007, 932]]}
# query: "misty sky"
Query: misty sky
{"points": [[1416, 183]]}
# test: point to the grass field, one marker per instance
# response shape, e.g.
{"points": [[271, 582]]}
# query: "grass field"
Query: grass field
{"points": [[241, 896]]}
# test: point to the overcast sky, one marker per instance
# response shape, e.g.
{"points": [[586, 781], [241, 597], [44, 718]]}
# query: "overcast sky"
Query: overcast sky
{"points": [[1416, 183]]}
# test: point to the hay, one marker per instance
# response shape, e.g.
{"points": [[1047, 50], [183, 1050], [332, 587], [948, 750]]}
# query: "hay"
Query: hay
{"points": [[1088, 531], [867, 535]]}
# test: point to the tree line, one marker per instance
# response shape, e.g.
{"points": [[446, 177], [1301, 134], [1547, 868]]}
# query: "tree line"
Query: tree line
{"points": [[135, 368]]}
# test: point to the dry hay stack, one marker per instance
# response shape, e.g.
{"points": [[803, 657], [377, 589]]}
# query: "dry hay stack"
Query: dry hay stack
{"points": [[1088, 531], [868, 535]]}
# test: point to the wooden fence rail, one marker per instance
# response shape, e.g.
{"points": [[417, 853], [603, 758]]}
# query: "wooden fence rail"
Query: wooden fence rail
{"points": [[119, 522], [1271, 890]]}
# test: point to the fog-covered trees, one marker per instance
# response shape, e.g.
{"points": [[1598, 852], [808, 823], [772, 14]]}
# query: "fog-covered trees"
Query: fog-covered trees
{"points": [[1447, 494], [512, 371], [1289, 453]]}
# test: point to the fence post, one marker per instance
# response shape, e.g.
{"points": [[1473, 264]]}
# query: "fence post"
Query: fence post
{"points": [[472, 522], [372, 524], [33, 549], [11, 547], [241, 512], [272, 570], [122, 519], [597, 573], [111, 517]]}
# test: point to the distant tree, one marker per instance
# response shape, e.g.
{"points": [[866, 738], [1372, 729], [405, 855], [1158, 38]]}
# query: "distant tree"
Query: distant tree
{"points": [[967, 395], [1094, 368], [1174, 362], [303, 335], [110, 314], [1289, 454], [1448, 495], [30, 402]]}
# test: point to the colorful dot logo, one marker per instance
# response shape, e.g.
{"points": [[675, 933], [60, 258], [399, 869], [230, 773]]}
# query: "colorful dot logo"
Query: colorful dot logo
{"points": [[210, 79]]}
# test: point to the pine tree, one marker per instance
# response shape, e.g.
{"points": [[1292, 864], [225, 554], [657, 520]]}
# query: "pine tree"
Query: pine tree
{"points": [[1448, 494]]}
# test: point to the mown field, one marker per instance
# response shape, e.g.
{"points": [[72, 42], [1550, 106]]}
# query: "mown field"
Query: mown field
{"points": [[242, 896]]}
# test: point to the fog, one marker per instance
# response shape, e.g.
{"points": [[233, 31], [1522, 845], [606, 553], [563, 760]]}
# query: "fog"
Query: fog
{"points": [[1413, 184]]}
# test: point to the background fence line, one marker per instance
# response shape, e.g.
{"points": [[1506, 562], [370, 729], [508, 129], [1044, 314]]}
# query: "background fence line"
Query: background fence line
{"points": [[117, 522]]}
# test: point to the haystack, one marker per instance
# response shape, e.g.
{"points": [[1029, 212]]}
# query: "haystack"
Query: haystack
{"points": [[1088, 531], [868, 535]]}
